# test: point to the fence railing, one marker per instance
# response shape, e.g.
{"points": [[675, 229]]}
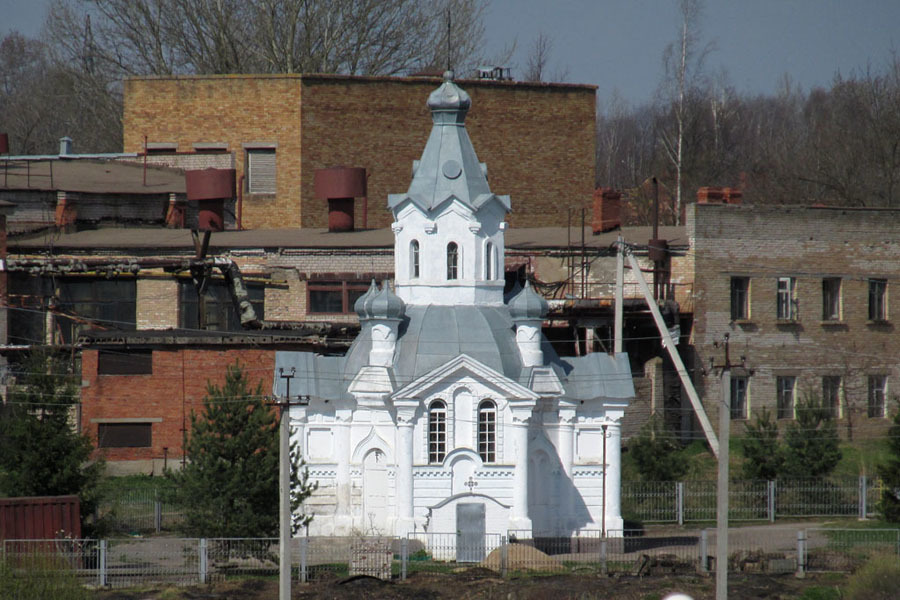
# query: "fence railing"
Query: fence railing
{"points": [[140, 511], [184, 561], [683, 501]]}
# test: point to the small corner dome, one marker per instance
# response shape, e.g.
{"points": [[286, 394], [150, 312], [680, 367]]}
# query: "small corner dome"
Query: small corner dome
{"points": [[449, 96], [384, 304], [528, 304], [360, 305]]}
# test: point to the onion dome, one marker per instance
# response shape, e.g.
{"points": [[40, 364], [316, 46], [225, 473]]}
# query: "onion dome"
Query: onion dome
{"points": [[383, 304], [360, 305], [449, 103], [528, 305]]}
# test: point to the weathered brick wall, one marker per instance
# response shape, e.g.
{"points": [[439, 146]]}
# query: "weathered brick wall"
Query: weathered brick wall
{"points": [[234, 109], [157, 303], [378, 123], [764, 243], [176, 388]]}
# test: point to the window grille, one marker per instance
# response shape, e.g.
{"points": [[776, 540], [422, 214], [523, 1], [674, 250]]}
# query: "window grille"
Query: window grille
{"points": [[414, 259], [261, 171], [787, 299], [437, 432], [452, 261]]}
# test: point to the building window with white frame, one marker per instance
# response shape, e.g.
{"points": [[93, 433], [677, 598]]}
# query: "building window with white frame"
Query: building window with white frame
{"points": [[831, 299], [877, 395], [437, 432], [487, 431], [832, 390], [878, 300], [739, 408], [414, 259], [489, 261], [786, 386], [452, 261], [740, 298], [261, 170], [787, 299]]}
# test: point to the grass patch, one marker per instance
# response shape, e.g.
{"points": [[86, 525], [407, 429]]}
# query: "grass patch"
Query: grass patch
{"points": [[38, 578]]}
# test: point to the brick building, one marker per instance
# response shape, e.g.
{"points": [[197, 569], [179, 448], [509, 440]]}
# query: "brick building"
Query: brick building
{"points": [[539, 139], [804, 296], [139, 389]]}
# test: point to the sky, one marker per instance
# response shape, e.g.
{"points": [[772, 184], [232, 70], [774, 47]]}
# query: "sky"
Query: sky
{"points": [[617, 45]]}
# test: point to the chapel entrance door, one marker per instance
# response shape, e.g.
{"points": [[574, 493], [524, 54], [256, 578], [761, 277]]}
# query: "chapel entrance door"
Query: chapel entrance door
{"points": [[470, 527]]}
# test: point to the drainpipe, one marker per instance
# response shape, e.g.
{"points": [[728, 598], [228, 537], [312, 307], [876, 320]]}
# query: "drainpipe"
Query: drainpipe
{"points": [[240, 206]]}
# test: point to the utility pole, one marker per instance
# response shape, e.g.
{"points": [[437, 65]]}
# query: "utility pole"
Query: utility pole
{"points": [[722, 483], [284, 484]]}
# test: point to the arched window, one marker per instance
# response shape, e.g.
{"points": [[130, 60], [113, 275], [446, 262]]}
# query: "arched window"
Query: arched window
{"points": [[437, 432], [452, 261], [489, 261], [414, 259], [487, 431]]}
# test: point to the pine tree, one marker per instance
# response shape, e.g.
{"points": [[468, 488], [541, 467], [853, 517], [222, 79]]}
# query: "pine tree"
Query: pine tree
{"points": [[657, 454], [812, 447], [41, 452], [763, 454], [229, 486], [890, 475]]}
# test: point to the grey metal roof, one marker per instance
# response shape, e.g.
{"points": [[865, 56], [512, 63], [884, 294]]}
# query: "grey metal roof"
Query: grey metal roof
{"points": [[431, 336], [448, 168], [91, 176]]}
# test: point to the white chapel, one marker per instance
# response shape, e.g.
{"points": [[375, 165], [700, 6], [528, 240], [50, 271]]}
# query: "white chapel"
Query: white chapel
{"points": [[451, 412]]}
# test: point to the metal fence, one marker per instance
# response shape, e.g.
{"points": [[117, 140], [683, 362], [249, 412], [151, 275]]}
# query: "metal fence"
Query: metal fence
{"points": [[184, 561], [139, 511], [683, 501]]}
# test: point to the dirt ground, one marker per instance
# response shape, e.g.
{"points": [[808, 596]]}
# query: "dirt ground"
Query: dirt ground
{"points": [[483, 584]]}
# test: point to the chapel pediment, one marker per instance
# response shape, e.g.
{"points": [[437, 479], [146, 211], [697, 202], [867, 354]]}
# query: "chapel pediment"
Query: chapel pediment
{"points": [[465, 366]]}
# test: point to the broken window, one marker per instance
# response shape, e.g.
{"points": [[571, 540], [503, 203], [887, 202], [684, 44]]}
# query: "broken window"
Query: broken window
{"points": [[877, 394], [221, 315], [740, 298], [124, 435], [334, 296], [739, 397], [831, 395], [831, 299], [85, 303], [785, 389], [878, 299], [125, 362], [787, 299]]}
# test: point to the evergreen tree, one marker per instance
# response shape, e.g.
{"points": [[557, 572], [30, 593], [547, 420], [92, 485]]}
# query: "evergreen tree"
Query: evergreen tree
{"points": [[812, 446], [229, 486], [890, 475], [41, 452], [763, 454], [657, 454]]}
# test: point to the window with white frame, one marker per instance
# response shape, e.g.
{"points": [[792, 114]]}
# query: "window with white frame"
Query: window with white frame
{"points": [[787, 299], [487, 431], [831, 299], [739, 397], [437, 432], [740, 298], [832, 390], [786, 386], [261, 170], [414, 259], [878, 299], [877, 395], [452, 261]]}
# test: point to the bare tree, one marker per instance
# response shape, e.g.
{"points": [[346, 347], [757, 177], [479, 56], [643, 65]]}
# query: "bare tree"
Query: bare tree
{"points": [[372, 37], [539, 58], [683, 61]]}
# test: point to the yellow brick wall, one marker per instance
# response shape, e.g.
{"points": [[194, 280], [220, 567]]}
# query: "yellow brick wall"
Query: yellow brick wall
{"points": [[157, 303], [537, 139]]}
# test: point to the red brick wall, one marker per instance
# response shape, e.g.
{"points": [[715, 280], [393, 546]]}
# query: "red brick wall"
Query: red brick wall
{"points": [[175, 389]]}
